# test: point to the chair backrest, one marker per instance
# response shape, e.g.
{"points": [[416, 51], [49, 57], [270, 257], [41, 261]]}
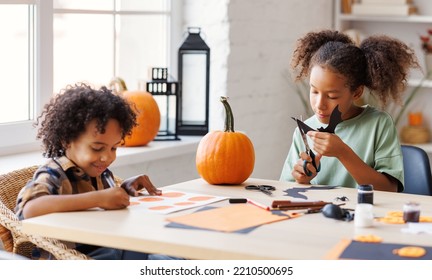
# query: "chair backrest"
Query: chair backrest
{"points": [[16, 241], [418, 178], [10, 185]]}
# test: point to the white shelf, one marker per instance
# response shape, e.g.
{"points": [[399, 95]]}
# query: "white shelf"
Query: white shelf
{"points": [[415, 82], [404, 19]]}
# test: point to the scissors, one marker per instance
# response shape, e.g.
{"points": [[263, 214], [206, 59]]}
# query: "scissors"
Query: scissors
{"points": [[335, 119], [308, 150], [263, 188]]}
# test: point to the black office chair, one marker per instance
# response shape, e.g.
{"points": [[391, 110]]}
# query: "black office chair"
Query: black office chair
{"points": [[417, 171]]}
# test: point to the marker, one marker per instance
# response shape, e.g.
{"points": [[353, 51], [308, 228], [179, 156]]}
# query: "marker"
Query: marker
{"points": [[238, 200], [244, 200], [109, 179]]}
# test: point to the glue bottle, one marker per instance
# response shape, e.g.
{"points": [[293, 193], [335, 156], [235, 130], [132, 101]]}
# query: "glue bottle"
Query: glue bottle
{"points": [[411, 212], [363, 215], [365, 194]]}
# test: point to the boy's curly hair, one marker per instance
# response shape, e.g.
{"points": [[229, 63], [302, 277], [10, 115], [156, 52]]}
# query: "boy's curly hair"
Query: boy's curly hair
{"points": [[380, 63], [65, 117]]}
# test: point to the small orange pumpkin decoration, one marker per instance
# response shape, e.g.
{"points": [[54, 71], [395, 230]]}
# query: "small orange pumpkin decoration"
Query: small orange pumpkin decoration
{"points": [[225, 157], [147, 110]]}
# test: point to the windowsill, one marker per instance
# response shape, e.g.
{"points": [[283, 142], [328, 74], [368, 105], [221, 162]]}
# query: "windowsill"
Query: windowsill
{"points": [[155, 150]]}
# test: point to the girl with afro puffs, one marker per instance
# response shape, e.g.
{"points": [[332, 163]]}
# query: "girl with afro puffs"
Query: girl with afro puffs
{"points": [[364, 148]]}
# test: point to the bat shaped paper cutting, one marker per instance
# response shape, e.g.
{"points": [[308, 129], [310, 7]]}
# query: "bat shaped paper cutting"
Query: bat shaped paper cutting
{"points": [[335, 119]]}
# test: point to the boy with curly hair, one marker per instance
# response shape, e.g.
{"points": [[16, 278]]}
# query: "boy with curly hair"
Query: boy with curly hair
{"points": [[81, 129]]}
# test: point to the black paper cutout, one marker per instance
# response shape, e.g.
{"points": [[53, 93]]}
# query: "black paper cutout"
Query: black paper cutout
{"points": [[379, 251], [335, 119], [296, 192]]}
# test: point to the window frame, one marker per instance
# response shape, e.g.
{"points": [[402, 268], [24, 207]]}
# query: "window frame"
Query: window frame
{"points": [[20, 137]]}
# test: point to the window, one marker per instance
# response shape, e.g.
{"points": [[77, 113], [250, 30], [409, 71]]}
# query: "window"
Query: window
{"points": [[54, 43], [17, 57], [99, 39], [21, 23]]}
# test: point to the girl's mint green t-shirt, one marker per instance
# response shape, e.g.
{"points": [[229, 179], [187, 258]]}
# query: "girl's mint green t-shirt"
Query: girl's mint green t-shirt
{"points": [[371, 135]]}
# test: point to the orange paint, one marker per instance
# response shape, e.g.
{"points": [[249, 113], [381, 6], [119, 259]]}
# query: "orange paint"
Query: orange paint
{"points": [[160, 207], [183, 203], [150, 199], [173, 194], [200, 198]]}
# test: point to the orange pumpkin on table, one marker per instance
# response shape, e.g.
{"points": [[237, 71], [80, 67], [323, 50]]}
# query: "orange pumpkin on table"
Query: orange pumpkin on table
{"points": [[225, 157], [148, 114]]}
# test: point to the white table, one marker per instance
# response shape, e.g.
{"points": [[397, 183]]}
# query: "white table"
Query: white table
{"points": [[309, 237]]}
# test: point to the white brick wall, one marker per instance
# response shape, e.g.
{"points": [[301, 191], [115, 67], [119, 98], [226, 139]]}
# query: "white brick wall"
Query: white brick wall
{"points": [[251, 43], [258, 41]]}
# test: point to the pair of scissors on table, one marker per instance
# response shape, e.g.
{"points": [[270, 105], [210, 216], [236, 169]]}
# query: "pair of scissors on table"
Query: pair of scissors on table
{"points": [[263, 188], [309, 151]]}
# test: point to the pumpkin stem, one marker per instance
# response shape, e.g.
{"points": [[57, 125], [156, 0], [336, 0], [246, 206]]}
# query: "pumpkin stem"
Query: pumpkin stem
{"points": [[229, 118], [118, 85]]}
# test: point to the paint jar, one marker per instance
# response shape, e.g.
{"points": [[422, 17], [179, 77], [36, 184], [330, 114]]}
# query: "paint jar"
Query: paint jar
{"points": [[363, 215], [365, 194], [411, 212]]}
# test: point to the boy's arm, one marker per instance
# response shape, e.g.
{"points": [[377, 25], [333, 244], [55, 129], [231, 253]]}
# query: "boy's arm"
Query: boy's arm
{"points": [[113, 198]]}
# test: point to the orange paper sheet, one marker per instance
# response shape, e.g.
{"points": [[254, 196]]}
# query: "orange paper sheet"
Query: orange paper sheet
{"points": [[228, 219]]}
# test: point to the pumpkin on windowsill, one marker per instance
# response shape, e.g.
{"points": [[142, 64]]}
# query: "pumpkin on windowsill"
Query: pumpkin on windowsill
{"points": [[225, 157], [147, 110]]}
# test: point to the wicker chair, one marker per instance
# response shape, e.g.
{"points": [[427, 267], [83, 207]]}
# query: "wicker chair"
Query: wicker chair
{"points": [[16, 241]]}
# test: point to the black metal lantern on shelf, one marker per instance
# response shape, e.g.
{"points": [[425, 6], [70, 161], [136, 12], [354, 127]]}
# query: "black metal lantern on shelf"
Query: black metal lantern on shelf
{"points": [[165, 93], [194, 79]]}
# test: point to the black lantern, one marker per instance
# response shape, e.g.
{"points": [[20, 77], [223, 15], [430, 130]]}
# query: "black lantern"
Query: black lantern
{"points": [[193, 77], [165, 93]]}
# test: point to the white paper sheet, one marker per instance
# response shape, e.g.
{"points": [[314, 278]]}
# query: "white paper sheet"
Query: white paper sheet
{"points": [[171, 201], [418, 228]]}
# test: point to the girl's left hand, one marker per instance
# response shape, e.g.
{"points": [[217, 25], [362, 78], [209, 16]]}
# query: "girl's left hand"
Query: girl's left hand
{"points": [[298, 172], [326, 144], [133, 185]]}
